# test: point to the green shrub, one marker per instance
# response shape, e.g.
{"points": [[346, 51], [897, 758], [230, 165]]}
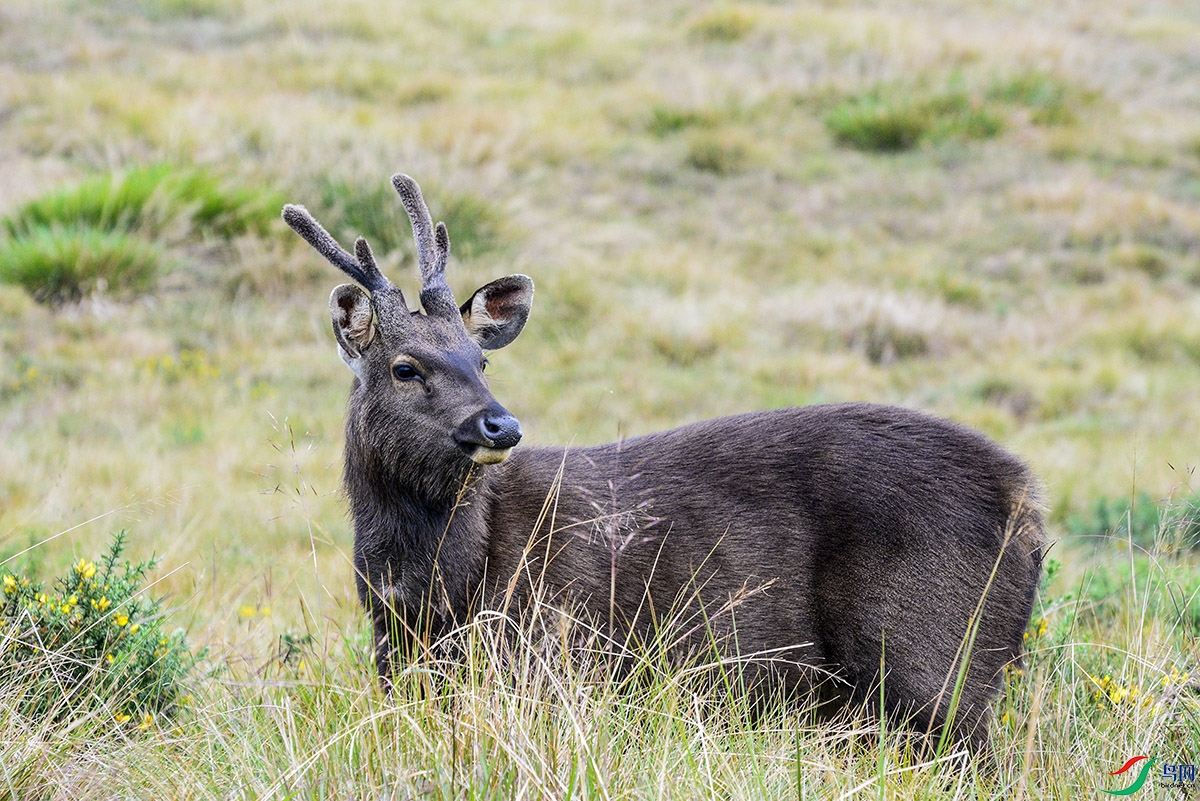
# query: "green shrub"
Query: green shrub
{"points": [[63, 264], [94, 645]]}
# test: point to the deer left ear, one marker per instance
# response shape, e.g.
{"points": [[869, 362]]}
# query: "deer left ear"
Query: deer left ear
{"points": [[353, 324], [497, 312]]}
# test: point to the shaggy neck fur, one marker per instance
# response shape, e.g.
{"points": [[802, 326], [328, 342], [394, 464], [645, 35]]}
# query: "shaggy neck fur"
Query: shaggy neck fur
{"points": [[419, 543]]}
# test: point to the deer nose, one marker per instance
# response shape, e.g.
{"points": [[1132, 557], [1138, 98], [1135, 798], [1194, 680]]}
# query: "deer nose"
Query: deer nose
{"points": [[491, 428], [501, 429]]}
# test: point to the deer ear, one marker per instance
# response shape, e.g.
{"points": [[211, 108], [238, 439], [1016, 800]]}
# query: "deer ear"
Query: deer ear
{"points": [[497, 312], [353, 324]]}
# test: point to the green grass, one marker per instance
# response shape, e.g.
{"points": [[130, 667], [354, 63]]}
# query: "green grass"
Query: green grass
{"points": [[725, 207], [108, 232], [64, 264], [148, 200], [1107, 658], [894, 119], [372, 209]]}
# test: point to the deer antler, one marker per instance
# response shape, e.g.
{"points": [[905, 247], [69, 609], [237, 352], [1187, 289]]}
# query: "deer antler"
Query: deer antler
{"points": [[433, 249], [362, 269]]}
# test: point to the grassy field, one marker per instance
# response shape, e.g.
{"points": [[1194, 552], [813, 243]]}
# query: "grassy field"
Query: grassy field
{"points": [[989, 210]]}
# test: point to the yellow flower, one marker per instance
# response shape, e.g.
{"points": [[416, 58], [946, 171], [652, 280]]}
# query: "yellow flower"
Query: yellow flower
{"points": [[109, 658], [1005, 719], [101, 604], [265, 611], [121, 619], [246, 611], [74, 599], [147, 721], [121, 717], [10, 584], [134, 628], [86, 568]]}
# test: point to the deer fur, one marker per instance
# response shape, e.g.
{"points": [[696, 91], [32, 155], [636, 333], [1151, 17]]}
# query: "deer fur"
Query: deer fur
{"points": [[825, 539]]}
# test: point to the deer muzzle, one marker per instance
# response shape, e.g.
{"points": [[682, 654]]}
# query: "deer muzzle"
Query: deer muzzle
{"points": [[489, 436]]}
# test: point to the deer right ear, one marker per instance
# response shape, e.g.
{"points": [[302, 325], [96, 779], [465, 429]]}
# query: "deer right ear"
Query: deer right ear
{"points": [[497, 312], [353, 324]]}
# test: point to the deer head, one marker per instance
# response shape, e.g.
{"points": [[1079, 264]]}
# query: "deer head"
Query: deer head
{"points": [[420, 374]]}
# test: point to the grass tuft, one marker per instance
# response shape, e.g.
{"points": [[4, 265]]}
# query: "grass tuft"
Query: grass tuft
{"points": [[893, 120], [665, 120], [718, 152], [58, 265], [1049, 98], [372, 210], [147, 200], [722, 24]]}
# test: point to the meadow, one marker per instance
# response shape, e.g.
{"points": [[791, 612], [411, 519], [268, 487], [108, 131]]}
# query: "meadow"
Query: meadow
{"points": [[985, 209]]}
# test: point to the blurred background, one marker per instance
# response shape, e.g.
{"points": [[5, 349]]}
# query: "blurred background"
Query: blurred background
{"points": [[986, 210]]}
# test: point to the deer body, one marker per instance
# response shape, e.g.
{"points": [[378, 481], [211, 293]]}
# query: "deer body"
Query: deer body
{"points": [[812, 542]]}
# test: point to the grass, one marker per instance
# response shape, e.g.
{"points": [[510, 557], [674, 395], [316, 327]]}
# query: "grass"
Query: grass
{"points": [[105, 232], [148, 200], [1110, 668], [59, 265], [895, 119], [1005, 235]]}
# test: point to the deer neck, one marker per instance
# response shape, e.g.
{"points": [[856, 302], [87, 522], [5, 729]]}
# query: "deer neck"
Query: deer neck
{"points": [[421, 541]]}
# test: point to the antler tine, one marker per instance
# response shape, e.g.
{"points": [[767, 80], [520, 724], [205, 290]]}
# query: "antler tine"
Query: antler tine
{"points": [[433, 248], [422, 223], [363, 269]]}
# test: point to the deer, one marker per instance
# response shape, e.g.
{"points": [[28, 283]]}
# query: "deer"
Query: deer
{"points": [[850, 545]]}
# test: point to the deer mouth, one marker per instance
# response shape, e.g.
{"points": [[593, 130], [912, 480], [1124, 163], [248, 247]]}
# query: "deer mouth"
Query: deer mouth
{"points": [[482, 454]]}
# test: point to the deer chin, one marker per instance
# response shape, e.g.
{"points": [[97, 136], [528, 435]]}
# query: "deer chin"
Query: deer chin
{"points": [[485, 455]]}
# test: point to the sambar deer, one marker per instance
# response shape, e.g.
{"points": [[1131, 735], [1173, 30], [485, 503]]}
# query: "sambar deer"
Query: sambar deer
{"points": [[827, 540]]}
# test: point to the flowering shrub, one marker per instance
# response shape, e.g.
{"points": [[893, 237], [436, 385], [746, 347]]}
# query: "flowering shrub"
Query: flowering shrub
{"points": [[93, 643]]}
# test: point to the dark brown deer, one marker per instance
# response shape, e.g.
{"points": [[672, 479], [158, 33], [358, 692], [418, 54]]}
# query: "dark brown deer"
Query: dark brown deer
{"points": [[823, 539]]}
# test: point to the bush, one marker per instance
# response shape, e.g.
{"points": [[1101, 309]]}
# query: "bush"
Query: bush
{"points": [[63, 264], [94, 645]]}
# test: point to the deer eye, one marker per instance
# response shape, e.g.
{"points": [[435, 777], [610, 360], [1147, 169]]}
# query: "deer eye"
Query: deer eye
{"points": [[405, 372], [483, 365]]}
